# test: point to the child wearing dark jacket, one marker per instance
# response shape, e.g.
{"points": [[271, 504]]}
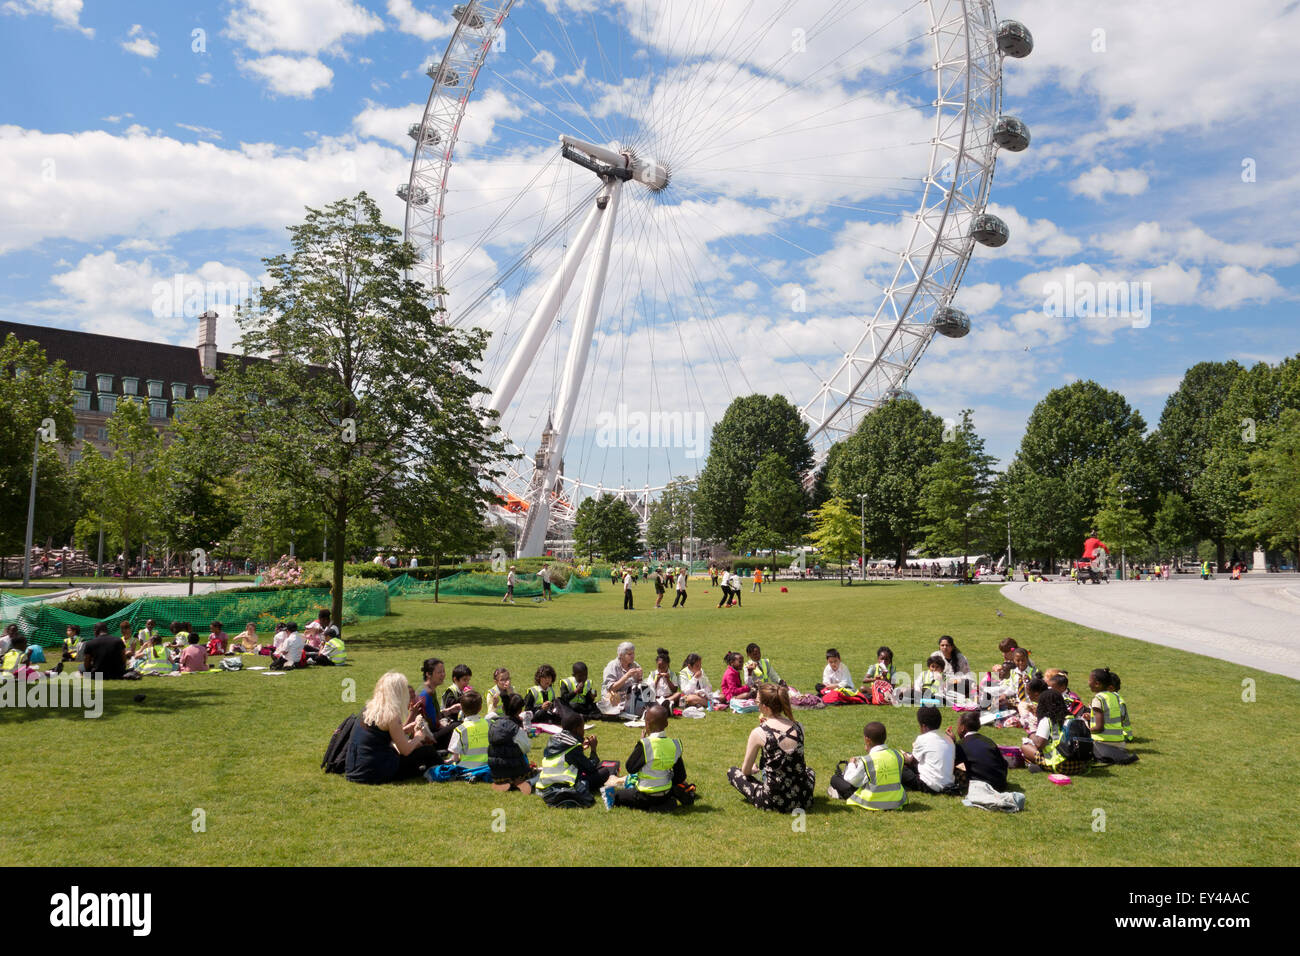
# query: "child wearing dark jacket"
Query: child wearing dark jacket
{"points": [[570, 778], [508, 747]]}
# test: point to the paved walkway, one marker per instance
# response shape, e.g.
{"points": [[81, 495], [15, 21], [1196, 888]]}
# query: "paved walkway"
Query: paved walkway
{"points": [[1254, 621], [145, 589]]}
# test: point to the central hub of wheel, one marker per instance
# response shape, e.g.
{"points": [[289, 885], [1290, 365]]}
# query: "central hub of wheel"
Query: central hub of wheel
{"points": [[622, 164]]}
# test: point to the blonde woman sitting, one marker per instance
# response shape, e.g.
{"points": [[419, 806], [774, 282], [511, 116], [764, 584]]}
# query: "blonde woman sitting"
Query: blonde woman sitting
{"points": [[380, 751]]}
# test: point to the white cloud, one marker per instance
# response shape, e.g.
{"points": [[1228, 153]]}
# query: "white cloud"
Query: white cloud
{"points": [[119, 297], [287, 76], [1152, 74], [1099, 181], [66, 12], [303, 26], [151, 186], [1033, 239], [417, 23], [140, 43], [1234, 286], [1150, 240], [206, 132], [204, 79]]}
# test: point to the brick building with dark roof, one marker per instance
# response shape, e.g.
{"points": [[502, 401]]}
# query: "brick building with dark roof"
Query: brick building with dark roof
{"points": [[106, 368]]}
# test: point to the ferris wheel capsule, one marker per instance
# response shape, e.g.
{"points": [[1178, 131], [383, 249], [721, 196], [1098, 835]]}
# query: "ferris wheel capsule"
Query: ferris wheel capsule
{"points": [[954, 323], [431, 136], [900, 395], [989, 230], [416, 196], [446, 77], [466, 14], [1011, 133], [1014, 39]]}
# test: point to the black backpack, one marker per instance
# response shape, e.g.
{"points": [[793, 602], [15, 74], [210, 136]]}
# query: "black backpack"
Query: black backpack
{"points": [[1076, 741], [336, 754]]}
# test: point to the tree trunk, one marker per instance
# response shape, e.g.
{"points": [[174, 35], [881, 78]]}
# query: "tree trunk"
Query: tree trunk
{"points": [[1220, 553], [340, 552]]}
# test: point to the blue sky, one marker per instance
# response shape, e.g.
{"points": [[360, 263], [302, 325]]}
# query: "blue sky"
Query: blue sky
{"points": [[133, 150]]}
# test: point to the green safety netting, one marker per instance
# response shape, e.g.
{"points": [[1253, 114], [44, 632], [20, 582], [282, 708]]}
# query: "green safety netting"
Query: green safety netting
{"points": [[46, 624], [12, 604], [481, 584]]}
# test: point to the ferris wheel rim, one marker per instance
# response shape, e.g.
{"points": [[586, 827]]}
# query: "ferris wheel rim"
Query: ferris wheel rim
{"points": [[840, 402]]}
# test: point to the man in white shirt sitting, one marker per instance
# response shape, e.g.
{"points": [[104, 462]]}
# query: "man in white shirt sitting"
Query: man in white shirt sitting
{"points": [[929, 767]]}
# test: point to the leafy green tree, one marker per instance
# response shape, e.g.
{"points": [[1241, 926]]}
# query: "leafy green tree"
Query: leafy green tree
{"points": [[607, 525], [194, 507], [363, 390], [775, 508], [123, 491], [670, 517], [1171, 531], [836, 530], [439, 517], [35, 396], [956, 497], [1182, 441], [1240, 423], [886, 459], [1119, 521], [752, 428], [1275, 485], [1076, 438]]}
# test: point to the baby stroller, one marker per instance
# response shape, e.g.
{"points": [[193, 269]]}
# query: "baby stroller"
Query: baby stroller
{"points": [[1088, 572]]}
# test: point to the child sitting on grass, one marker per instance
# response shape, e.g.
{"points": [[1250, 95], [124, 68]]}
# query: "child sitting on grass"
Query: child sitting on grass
{"points": [[568, 777], [930, 682], [873, 782], [1111, 731], [194, 658], [656, 762], [662, 688], [508, 746], [835, 675], [930, 765], [759, 669], [469, 745], [501, 689], [733, 685], [543, 695], [218, 640], [1041, 746], [879, 684], [460, 675], [578, 692], [694, 683], [1059, 681]]}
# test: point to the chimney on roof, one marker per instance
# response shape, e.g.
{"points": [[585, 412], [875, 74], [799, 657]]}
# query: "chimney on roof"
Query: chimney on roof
{"points": [[208, 342]]}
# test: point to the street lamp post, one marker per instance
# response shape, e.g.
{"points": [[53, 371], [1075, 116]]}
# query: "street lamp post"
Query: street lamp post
{"points": [[31, 513], [862, 533], [1007, 502]]}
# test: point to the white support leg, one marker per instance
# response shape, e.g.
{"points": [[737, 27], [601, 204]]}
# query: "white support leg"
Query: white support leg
{"points": [[575, 366], [544, 315]]}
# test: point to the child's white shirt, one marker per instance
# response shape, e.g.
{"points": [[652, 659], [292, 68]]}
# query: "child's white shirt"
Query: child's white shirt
{"points": [[839, 676]]}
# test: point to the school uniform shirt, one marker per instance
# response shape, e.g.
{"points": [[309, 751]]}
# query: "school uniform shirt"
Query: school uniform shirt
{"points": [[839, 675], [681, 581], [934, 755], [984, 762], [659, 685], [291, 649], [194, 658], [627, 582], [690, 684]]}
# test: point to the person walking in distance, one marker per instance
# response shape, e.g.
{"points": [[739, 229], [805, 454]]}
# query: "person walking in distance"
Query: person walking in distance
{"points": [[627, 589], [510, 587], [680, 600]]}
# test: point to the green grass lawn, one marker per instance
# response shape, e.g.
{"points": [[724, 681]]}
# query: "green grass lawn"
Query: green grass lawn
{"points": [[1211, 787]]}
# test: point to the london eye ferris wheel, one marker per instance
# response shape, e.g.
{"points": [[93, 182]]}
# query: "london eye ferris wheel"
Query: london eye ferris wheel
{"points": [[669, 204]]}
